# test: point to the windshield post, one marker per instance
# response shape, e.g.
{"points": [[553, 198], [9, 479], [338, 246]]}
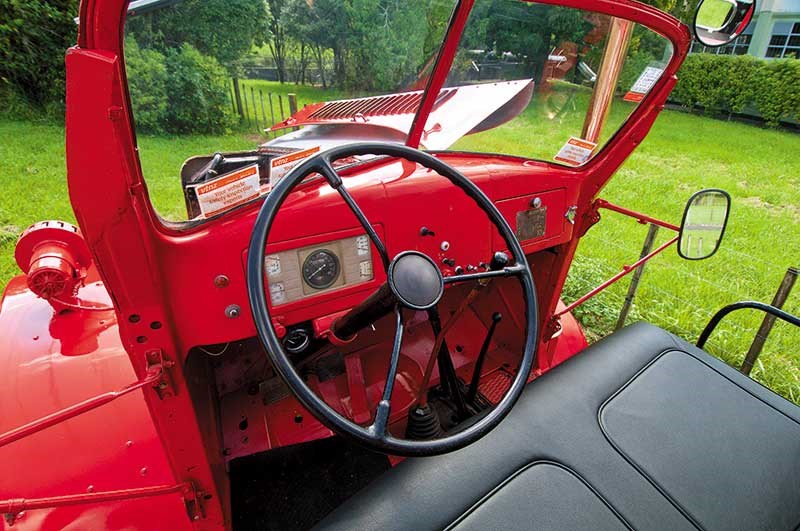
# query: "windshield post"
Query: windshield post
{"points": [[440, 70], [619, 36]]}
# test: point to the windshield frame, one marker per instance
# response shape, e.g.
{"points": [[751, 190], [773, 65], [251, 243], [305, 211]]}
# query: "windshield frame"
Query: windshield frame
{"points": [[450, 46], [100, 17]]}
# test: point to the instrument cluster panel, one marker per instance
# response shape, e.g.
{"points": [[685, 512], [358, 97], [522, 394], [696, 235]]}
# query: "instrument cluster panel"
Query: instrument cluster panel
{"points": [[299, 273]]}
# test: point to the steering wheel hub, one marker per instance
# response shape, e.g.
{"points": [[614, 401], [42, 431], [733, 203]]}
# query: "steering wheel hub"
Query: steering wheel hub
{"points": [[415, 280]]}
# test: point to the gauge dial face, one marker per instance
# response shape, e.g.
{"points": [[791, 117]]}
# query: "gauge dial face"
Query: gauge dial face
{"points": [[296, 341], [277, 293], [321, 269], [273, 265], [362, 245]]}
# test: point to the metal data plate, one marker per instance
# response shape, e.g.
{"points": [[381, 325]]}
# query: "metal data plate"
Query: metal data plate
{"points": [[531, 223]]}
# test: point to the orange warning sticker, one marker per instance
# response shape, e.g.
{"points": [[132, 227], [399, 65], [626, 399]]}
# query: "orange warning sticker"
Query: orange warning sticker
{"points": [[280, 166], [228, 191], [633, 97], [575, 152]]}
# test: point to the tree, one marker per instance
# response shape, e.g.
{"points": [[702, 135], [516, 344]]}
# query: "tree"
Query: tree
{"points": [[34, 35], [323, 24], [277, 41], [223, 29]]}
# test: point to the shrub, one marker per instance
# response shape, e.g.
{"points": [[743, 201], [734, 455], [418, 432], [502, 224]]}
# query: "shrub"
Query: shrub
{"points": [[777, 97], [147, 81], [722, 83], [183, 91], [198, 93]]}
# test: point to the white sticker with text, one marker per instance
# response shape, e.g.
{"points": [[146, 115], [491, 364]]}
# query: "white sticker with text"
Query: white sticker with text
{"points": [[228, 191], [575, 152], [643, 85], [280, 166]]}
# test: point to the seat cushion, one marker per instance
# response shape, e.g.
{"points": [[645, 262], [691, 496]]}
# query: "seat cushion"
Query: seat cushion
{"points": [[641, 430]]}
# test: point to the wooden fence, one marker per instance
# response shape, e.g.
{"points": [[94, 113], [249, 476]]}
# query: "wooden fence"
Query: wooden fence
{"points": [[258, 109]]}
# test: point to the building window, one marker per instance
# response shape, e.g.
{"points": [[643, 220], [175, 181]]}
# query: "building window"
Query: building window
{"points": [[738, 46], [785, 40]]}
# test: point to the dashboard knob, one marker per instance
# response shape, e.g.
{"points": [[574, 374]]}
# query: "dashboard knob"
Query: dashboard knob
{"points": [[499, 261]]}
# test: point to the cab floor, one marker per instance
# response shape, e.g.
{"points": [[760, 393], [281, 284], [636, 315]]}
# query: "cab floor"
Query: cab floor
{"points": [[297, 486]]}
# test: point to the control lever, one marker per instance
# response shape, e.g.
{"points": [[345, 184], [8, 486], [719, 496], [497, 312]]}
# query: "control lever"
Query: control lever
{"points": [[447, 370], [476, 375], [208, 171], [377, 305], [499, 261]]}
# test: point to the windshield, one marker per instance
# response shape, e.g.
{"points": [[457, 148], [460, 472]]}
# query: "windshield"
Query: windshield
{"points": [[571, 78], [229, 95], [211, 77]]}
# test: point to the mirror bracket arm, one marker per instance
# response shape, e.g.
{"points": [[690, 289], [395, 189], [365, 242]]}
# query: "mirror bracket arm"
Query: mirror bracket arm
{"points": [[638, 216], [626, 270]]}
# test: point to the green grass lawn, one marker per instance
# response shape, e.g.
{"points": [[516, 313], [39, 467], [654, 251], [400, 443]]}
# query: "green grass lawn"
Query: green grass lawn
{"points": [[714, 13], [760, 168]]}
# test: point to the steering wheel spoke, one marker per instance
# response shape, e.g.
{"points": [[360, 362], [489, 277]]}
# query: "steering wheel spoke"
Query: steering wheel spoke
{"points": [[510, 271], [335, 181], [380, 426]]}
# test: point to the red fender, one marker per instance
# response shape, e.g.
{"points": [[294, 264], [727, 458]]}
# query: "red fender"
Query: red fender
{"points": [[51, 361]]}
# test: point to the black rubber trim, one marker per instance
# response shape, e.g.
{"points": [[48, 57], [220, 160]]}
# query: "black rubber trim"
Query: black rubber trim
{"points": [[530, 465], [744, 305]]}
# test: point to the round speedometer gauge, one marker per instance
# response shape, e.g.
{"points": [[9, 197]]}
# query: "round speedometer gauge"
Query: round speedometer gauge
{"points": [[321, 269]]}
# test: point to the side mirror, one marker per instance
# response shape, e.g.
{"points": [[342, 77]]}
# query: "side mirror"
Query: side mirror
{"points": [[718, 22], [704, 222]]}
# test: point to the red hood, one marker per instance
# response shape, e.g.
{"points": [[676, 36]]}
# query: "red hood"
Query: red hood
{"points": [[458, 111]]}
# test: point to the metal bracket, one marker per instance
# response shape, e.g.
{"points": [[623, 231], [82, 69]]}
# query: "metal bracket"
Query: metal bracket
{"points": [[193, 499], [590, 218], [159, 366], [553, 327]]}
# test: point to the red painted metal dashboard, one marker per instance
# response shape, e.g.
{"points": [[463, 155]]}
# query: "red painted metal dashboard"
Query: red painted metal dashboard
{"points": [[399, 199]]}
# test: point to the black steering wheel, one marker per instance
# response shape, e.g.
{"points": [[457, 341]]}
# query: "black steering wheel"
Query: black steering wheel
{"points": [[414, 281]]}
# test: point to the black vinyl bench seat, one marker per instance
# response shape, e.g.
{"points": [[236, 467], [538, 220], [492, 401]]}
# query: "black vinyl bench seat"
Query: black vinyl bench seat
{"points": [[639, 431]]}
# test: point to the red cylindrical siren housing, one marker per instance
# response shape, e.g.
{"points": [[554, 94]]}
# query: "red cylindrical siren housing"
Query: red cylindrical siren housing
{"points": [[55, 258]]}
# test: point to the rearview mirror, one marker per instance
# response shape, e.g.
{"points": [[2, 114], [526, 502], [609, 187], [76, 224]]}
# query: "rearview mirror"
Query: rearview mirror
{"points": [[704, 223], [718, 22]]}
